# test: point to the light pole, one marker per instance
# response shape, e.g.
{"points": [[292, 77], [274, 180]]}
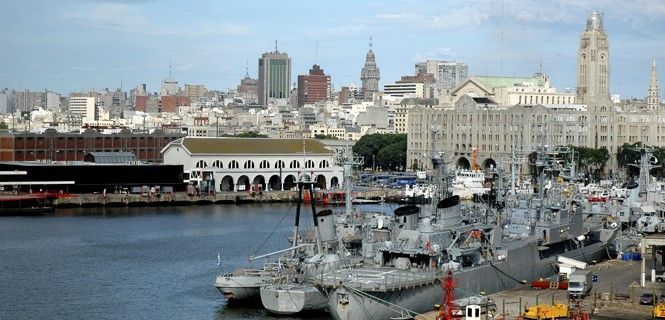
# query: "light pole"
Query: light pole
{"points": [[217, 123]]}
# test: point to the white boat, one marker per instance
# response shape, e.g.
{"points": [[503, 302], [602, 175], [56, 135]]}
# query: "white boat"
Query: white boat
{"points": [[244, 284], [468, 184]]}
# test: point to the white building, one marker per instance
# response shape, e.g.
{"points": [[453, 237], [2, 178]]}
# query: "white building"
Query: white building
{"points": [[404, 89], [83, 107], [243, 164]]}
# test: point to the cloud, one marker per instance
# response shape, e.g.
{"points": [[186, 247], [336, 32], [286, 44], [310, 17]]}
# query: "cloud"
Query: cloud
{"points": [[129, 18], [348, 29]]}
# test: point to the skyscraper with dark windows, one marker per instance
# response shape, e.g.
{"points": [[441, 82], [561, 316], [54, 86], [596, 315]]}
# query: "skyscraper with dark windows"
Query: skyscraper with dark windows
{"points": [[274, 76]]}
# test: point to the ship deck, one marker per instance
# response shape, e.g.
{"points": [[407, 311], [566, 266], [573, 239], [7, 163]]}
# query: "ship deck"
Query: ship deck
{"points": [[376, 278]]}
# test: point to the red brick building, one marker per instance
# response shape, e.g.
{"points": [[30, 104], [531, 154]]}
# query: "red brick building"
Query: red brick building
{"points": [[313, 87], [56, 146], [171, 103]]}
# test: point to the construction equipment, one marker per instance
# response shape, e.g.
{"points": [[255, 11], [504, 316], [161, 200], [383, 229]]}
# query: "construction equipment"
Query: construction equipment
{"points": [[543, 311]]}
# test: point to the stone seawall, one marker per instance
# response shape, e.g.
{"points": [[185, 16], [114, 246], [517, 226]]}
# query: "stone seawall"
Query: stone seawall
{"points": [[182, 198]]}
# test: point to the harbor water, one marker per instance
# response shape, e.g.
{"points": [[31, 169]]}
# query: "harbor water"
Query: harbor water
{"points": [[135, 263]]}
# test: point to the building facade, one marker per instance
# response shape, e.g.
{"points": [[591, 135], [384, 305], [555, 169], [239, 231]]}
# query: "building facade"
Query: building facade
{"points": [[499, 119], [313, 87], [195, 92], [509, 91], [593, 65], [447, 74], [84, 108], [274, 76], [244, 164], [404, 90], [56, 146]]}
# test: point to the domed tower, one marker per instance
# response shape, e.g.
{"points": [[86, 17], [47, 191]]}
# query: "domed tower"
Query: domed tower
{"points": [[369, 76], [593, 67]]}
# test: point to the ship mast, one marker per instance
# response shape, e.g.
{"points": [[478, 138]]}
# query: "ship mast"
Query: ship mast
{"points": [[647, 162]]}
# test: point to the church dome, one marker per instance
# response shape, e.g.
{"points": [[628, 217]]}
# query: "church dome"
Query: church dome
{"points": [[594, 22]]}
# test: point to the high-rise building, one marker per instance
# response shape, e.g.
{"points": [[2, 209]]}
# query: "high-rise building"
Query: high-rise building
{"points": [[653, 98], [370, 75], [169, 88], [195, 92], [593, 67], [27, 100], [313, 87], [4, 102], [447, 74], [274, 76], [84, 108]]}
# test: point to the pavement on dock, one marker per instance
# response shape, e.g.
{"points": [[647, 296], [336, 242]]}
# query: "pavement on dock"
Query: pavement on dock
{"points": [[617, 294]]}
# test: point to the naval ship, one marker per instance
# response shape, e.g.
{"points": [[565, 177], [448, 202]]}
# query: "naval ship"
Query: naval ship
{"points": [[402, 278]]}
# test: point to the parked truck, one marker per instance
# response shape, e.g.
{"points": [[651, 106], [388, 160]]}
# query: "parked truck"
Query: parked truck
{"points": [[580, 283]]}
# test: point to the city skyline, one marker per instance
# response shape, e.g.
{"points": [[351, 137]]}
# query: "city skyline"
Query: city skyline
{"points": [[80, 45]]}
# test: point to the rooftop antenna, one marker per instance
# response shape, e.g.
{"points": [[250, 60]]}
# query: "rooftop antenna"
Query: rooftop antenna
{"points": [[316, 53], [370, 42], [170, 78], [247, 68], [276, 46]]}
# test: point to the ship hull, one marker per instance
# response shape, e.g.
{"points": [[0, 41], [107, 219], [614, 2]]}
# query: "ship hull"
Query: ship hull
{"points": [[292, 298], [522, 264], [238, 288]]}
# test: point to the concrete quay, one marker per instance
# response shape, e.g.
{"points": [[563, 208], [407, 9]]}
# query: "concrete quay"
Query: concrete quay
{"points": [[183, 199], [615, 295]]}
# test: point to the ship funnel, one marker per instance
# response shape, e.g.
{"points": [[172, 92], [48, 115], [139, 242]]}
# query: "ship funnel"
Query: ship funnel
{"points": [[326, 225], [448, 211], [407, 217]]}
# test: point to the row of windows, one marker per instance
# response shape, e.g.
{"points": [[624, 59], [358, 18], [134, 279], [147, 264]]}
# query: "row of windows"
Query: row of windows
{"points": [[264, 164]]}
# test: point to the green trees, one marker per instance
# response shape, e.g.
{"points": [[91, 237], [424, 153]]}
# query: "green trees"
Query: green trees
{"points": [[630, 154], [387, 151], [587, 160], [325, 137], [249, 134]]}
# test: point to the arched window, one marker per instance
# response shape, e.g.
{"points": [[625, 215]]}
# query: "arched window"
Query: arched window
{"points": [[309, 164], [201, 164], [279, 164], [217, 164], [324, 164], [233, 164], [264, 164], [294, 164], [249, 164]]}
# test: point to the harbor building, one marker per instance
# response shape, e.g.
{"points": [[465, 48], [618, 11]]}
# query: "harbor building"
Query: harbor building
{"points": [[499, 117], [56, 146], [111, 172], [274, 76], [254, 164]]}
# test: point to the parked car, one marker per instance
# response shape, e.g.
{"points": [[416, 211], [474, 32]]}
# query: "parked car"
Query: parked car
{"points": [[646, 298]]}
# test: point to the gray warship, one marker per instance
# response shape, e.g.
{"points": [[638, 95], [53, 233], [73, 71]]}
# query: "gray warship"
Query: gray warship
{"points": [[401, 277], [339, 242]]}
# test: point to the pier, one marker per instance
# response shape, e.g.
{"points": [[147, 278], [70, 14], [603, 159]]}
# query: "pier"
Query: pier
{"points": [[92, 200]]}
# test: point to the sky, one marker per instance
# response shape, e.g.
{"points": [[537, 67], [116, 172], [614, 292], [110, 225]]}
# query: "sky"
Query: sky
{"points": [[72, 45]]}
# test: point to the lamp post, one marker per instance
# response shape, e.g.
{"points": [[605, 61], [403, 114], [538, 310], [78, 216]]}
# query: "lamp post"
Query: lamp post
{"points": [[217, 123]]}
